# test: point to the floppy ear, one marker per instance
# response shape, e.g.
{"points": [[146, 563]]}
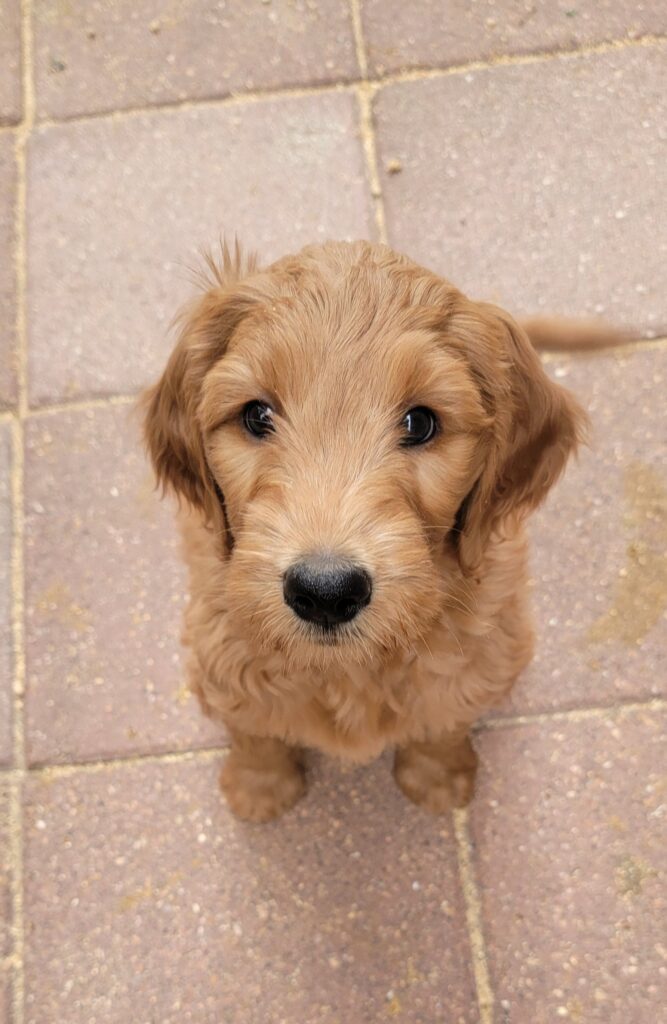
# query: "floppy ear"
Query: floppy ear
{"points": [[537, 425], [172, 429]]}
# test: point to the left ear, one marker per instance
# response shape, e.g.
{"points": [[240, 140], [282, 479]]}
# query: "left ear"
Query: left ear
{"points": [[537, 425], [172, 428]]}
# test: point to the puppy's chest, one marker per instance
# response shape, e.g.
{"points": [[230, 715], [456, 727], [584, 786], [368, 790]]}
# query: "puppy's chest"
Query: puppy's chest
{"points": [[354, 713]]}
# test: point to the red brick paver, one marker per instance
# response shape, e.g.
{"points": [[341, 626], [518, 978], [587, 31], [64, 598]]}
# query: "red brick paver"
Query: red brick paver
{"points": [[520, 192], [428, 33], [7, 271], [127, 891], [10, 61], [128, 204], [6, 997], [600, 545], [6, 544], [102, 56], [104, 597], [5, 877], [571, 835], [348, 910]]}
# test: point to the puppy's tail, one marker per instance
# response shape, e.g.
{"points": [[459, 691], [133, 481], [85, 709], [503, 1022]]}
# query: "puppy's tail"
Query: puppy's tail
{"points": [[560, 334]]}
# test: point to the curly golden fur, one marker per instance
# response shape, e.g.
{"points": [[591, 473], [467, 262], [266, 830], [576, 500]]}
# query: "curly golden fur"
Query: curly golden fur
{"points": [[340, 341]]}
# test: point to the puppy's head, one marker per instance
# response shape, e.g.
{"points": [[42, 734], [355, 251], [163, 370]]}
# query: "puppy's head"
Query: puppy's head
{"points": [[354, 430]]}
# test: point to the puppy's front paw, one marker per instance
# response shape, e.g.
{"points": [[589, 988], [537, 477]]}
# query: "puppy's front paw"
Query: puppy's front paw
{"points": [[436, 779], [261, 794]]}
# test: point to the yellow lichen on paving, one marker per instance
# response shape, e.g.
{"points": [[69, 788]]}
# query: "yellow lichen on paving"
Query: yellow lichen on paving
{"points": [[56, 602], [394, 1008], [640, 597], [182, 695], [631, 875], [148, 893]]}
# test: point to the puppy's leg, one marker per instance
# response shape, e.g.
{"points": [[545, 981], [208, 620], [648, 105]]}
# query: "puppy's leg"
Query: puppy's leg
{"points": [[261, 777], [437, 776]]}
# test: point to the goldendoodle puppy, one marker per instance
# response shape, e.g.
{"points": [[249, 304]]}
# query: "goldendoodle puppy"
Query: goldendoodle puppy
{"points": [[358, 445]]}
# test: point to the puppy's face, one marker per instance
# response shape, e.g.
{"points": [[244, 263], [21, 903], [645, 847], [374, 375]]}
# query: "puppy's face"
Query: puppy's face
{"points": [[343, 448], [354, 429]]}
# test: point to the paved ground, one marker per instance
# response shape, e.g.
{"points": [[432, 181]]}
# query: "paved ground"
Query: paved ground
{"points": [[521, 150]]}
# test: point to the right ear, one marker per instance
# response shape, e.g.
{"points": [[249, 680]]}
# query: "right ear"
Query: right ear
{"points": [[171, 425]]}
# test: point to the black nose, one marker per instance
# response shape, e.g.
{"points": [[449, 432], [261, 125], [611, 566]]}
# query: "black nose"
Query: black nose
{"points": [[325, 591]]}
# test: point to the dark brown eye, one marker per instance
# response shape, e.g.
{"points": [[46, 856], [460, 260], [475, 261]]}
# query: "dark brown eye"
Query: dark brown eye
{"points": [[258, 419], [419, 426]]}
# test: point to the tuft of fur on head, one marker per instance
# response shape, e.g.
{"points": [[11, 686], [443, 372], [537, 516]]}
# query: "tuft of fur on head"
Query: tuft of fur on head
{"points": [[230, 266], [342, 340]]}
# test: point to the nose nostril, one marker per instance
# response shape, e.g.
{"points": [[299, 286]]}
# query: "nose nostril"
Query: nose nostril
{"points": [[347, 608], [326, 591], [303, 603], [360, 588]]}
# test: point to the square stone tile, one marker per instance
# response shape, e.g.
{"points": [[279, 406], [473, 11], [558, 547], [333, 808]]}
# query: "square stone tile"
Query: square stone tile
{"points": [[6, 638], [104, 594], [147, 901], [599, 556], [7, 270], [10, 62], [514, 185], [6, 998], [120, 209], [5, 882], [101, 56], [571, 835], [430, 33]]}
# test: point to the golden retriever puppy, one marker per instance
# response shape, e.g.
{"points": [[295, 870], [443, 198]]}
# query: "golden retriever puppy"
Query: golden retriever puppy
{"points": [[358, 445]]}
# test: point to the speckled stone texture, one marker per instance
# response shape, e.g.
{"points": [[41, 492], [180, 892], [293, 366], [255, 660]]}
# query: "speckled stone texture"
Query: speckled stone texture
{"points": [[10, 62], [142, 891], [6, 998], [105, 593], [101, 56], [426, 33], [6, 639], [7, 270], [540, 183], [128, 205], [599, 551], [5, 876], [520, 192], [571, 837]]}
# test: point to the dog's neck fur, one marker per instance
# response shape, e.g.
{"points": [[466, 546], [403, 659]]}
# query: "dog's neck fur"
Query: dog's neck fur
{"points": [[355, 709]]}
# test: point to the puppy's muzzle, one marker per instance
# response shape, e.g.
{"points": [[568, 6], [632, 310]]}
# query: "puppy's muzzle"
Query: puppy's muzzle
{"points": [[326, 591]]}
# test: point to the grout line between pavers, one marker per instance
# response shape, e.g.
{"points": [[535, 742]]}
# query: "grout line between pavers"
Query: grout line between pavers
{"points": [[604, 711], [81, 404], [359, 44], [505, 60], [473, 912], [233, 99], [23, 131], [609, 712], [343, 85], [56, 771], [365, 91], [365, 101]]}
